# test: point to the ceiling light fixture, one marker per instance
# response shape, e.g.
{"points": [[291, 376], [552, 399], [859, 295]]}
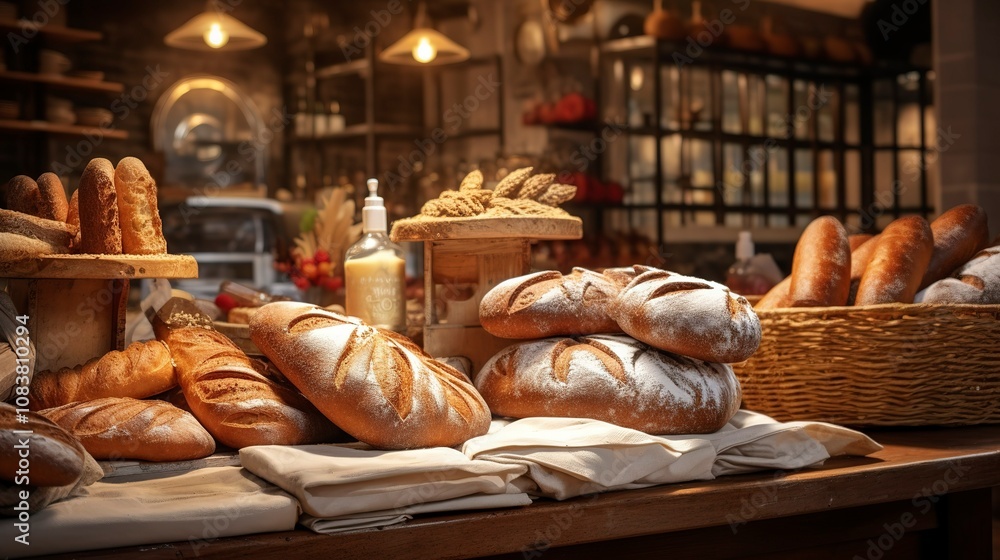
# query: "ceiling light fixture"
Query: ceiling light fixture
{"points": [[215, 30], [424, 46]]}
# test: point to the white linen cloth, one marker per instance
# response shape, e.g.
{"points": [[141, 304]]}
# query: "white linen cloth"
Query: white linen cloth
{"points": [[195, 506], [568, 457], [341, 488]]}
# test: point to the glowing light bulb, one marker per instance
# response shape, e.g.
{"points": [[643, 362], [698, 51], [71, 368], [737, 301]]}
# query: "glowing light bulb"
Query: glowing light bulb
{"points": [[216, 37], [424, 51]]}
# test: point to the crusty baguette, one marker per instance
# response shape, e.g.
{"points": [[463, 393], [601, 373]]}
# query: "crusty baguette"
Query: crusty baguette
{"points": [[235, 403], [57, 234], [23, 195], [123, 428], [860, 257], [687, 316], [858, 239], [376, 385], [775, 297], [959, 234], [612, 378], [14, 247], [142, 370], [898, 263], [142, 231], [56, 458], [544, 304], [52, 203], [821, 265], [73, 212], [100, 230]]}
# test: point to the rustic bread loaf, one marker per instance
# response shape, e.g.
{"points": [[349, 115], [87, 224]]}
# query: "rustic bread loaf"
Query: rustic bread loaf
{"points": [[975, 282], [612, 378], [142, 370], [687, 316], [142, 231], [58, 235], [15, 247], [860, 257], [958, 234], [23, 195], [858, 239], [376, 385], [821, 265], [100, 229], [56, 458], [73, 210], [123, 428], [235, 402], [546, 304], [52, 203], [898, 263]]}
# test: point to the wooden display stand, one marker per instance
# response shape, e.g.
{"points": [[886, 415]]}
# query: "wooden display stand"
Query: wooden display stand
{"points": [[464, 258], [76, 304]]}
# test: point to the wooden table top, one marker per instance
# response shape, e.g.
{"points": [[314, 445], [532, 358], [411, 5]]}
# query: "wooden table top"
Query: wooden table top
{"points": [[915, 464]]}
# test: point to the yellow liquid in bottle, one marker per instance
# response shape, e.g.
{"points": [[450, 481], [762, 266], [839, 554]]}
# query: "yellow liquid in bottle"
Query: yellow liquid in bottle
{"points": [[375, 290]]}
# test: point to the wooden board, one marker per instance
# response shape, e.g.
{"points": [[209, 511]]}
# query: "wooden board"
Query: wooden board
{"points": [[129, 467], [102, 267], [517, 227]]}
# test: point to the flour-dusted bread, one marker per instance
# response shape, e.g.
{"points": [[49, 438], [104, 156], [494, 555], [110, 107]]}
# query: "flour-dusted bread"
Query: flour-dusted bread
{"points": [[52, 203], [898, 263], [142, 230], [821, 265], [57, 235], [57, 458], [376, 385], [612, 378], [100, 229], [976, 282], [687, 316], [959, 234]]}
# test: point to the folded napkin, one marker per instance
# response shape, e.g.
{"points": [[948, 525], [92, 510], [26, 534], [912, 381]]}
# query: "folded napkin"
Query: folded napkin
{"points": [[344, 486], [195, 506], [604, 457]]}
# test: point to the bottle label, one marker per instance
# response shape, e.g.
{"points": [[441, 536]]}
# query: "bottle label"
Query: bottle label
{"points": [[376, 294]]}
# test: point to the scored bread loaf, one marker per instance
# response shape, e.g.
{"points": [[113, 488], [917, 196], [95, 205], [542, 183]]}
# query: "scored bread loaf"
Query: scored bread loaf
{"points": [[376, 385], [56, 458], [100, 230], [142, 370], [548, 303], [821, 265], [23, 195], [958, 234], [52, 203], [142, 231], [59, 235], [975, 282], [612, 378], [123, 428], [234, 401], [898, 263], [687, 316]]}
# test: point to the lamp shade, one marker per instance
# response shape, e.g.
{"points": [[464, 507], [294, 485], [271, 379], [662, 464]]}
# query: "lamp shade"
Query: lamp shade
{"points": [[213, 30], [424, 47]]}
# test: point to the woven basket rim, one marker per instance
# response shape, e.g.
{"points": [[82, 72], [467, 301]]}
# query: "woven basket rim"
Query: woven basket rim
{"points": [[882, 309]]}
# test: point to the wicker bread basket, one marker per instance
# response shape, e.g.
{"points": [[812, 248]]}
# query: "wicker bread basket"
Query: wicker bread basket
{"points": [[878, 365]]}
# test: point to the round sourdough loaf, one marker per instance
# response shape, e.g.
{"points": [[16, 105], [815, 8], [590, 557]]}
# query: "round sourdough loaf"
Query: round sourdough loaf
{"points": [[374, 384], [545, 304], [688, 316], [612, 378]]}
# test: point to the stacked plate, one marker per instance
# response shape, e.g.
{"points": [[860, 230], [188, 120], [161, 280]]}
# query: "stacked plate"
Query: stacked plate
{"points": [[92, 116], [9, 110], [52, 62], [59, 111], [94, 75]]}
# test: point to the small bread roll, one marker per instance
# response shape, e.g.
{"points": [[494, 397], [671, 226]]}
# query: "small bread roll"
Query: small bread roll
{"points": [[22, 195], [142, 231], [821, 265], [52, 203], [898, 263], [100, 232]]}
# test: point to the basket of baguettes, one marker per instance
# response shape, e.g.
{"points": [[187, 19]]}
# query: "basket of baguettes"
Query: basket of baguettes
{"points": [[895, 329]]}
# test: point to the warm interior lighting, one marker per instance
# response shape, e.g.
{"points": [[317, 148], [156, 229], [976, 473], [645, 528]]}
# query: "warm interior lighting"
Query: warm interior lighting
{"points": [[215, 30], [216, 36], [424, 51]]}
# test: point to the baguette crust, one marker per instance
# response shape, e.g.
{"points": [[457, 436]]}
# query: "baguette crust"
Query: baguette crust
{"points": [[57, 458], [898, 263], [776, 297], [545, 304], [15, 247], [235, 403], [142, 370], [100, 231], [376, 385], [688, 316], [612, 378], [860, 257], [858, 239], [123, 428], [52, 203], [142, 231], [57, 234], [821, 265], [959, 234], [23, 195]]}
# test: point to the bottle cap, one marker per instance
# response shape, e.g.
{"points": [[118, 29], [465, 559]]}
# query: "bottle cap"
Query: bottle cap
{"points": [[744, 246], [373, 216]]}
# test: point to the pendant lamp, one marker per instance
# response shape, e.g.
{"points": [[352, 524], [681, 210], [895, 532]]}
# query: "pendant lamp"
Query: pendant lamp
{"points": [[214, 30], [424, 46]]}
